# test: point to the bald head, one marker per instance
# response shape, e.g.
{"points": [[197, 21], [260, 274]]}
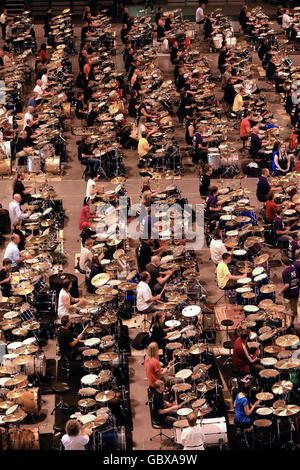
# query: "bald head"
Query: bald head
{"points": [[255, 129], [15, 238], [17, 197], [155, 260]]}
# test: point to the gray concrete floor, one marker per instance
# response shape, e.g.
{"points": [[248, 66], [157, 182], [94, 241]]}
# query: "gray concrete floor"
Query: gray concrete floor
{"points": [[71, 189]]}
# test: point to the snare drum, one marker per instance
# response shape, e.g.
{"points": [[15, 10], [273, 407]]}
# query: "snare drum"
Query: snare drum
{"points": [[264, 411], [92, 342], [261, 280], [8, 359], [268, 362], [184, 412], [249, 309], [87, 392], [13, 347], [87, 405], [184, 374], [224, 219], [178, 427], [258, 271], [88, 380], [239, 292], [240, 255], [244, 280], [90, 354]]}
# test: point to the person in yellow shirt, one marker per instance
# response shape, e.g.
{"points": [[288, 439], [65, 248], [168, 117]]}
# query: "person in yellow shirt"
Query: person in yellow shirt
{"points": [[238, 103], [224, 278], [143, 149]]}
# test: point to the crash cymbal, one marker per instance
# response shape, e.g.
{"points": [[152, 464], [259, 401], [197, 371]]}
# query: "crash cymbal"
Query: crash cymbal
{"points": [[182, 388], [127, 286], [14, 394], [22, 360], [5, 405], [47, 223], [282, 387], [104, 290], [20, 332], [19, 380], [118, 180], [38, 239], [105, 396], [24, 290], [114, 241], [206, 386], [266, 289], [14, 300], [287, 340], [16, 417], [28, 349], [191, 274], [261, 259], [272, 349], [34, 226], [264, 396], [266, 304], [126, 257], [287, 410], [187, 264], [198, 349], [165, 306], [7, 370], [187, 396], [110, 320], [100, 279], [204, 410], [105, 298], [108, 357], [278, 308], [287, 364]]}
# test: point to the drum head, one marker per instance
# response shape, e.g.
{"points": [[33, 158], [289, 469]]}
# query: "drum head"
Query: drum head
{"points": [[184, 411]]}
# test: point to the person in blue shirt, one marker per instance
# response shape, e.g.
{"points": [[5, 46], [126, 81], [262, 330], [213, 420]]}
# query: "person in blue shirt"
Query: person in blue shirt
{"points": [[243, 409]]}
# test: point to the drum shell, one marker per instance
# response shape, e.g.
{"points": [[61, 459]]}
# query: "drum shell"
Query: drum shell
{"points": [[36, 365], [30, 400], [178, 427], [52, 165]]}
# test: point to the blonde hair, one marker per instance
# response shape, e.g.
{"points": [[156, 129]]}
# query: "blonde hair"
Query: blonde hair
{"points": [[152, 351]]}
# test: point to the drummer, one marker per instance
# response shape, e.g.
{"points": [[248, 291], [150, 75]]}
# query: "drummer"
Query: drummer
{"points": [[76, 438], [157, 280], [164, 412], [243, 410], [242, 360], [281, 233], [217, 246], [65, 306], [263, 185], [192, 438], [6, 278], [212, 208], [294, 245], [154, 371], [158, 333], [68, 345], [227, 281]]}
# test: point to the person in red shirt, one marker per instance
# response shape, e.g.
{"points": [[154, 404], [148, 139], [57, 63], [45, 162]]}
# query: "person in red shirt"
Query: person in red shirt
{"points": [[43, 56], [245, 128], [154, 371], [242, 360], [85, 214], [271, 207]]}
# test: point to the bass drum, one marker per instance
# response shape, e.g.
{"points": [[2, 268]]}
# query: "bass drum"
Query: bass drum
{"points": [[24, 439], [30, 400], [36, 365]]}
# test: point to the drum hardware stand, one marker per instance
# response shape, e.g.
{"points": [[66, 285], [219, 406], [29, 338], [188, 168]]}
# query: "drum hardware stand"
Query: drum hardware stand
{"points": [[62, 406]]}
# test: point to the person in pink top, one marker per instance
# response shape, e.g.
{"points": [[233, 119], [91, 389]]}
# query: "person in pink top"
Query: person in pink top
{"points": [[85, 214], [245, 128]]}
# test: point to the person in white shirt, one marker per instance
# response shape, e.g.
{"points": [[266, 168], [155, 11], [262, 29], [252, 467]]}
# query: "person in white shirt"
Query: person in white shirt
{"points": [[199, 18], [91, 188], [286, 20], [44, 79], [64, 301], [144, 298], [39, 89], [75, 438], [3, 21], [7, 58], [192, 438], [217, 247], [15, 214], [86, 255], [12, 251], [28, 116]]}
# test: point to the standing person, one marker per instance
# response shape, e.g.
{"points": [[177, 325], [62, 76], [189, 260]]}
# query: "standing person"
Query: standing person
{"points": [[3, 21], [91, 188], [281, 160], [6, 277], [48, 18], [85, 214], [243, 409], [76, 437], [144, 297], [294, 246], [199, 17], [290, 288], [192, 438], [204, 182], [66, 303]]}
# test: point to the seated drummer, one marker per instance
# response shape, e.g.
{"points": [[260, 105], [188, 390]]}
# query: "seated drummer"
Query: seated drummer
{"points": [[217, 246], [263, 186], [157, 280], [256, 143], [23, 189], [281, 233], [224, 278], [65, 300], [212, 208], [158, 333], [164, 412], [6, 278], [294, 245], [271, 207], [144, 297], [146, 250], [199, 147], [243, 409], [144, 149], [204, 182], [242, 360], [68, 345], [154, 370]]}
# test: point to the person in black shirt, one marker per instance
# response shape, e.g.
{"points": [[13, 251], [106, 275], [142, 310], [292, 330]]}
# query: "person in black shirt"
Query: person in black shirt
{"points": [[84, 31], [271, 69], [132, 104], [164, 412], [124, 33], [168, 23], [19, 188], [5, 278], [158, 15], [93, 114], [29, 129], [144, 253], [181, 82], [208, 26], [88, 92], [205, 180], [68, 346], [21, 149], [80, 111], [94, 268], [174, 53], [85, 154], [243, 16], [229, 92], [159, 334], [157, 280], [160, 30]]}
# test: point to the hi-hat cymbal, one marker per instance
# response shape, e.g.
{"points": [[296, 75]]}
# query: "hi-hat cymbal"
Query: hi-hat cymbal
{"points": [[127, 286], [266, 289], [28, 349], [105, 396], [287, 340], [206, 386], [5, 405], [287, 410], [198, 349], [16, 417], [272, 349], [100, 279], [47, 223], [21, 360], [14, 300], [114, 241], [24, 290], [15, 394], [296, 198], [266, 304], [38, 239], [118, 180], [282, 387], [110, 320], [165, 306]]}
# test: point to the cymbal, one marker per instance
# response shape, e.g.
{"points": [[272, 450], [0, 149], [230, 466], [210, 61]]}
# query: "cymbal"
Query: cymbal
{"points": [[204, 410], [114, 241], [14, 300], [47, 223], [100, 279], [182, 387], [287, 410], [15, 394], [7, 370], [272, 349], [24, 290], [206, 386], [191, 274], [287, 364], [108, 357], [261, 259], [287, 340], [187, 264], [296, 198], [105, 396], [165, 306], [16, 417], [118, 180], [126, 257], [266, 289], [110, 320], [5, 405], [38, 239], [282, 387], [17, 380], [104, 290], [126, 286], [197, 349], [266, 304], [264, 396], [21, 360], [105, 298]]}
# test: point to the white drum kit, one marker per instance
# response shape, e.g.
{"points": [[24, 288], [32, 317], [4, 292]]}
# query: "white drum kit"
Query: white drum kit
{"points": [[214, 430]]}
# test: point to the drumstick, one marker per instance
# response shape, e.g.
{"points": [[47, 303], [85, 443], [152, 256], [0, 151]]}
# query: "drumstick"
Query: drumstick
{"points": [[85, 328]]}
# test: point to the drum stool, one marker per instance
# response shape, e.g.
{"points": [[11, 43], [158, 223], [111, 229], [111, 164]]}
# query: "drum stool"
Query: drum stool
{"points": [[227, 323], [228, 345], [60, 388], [159, 426], [243, 434]]}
